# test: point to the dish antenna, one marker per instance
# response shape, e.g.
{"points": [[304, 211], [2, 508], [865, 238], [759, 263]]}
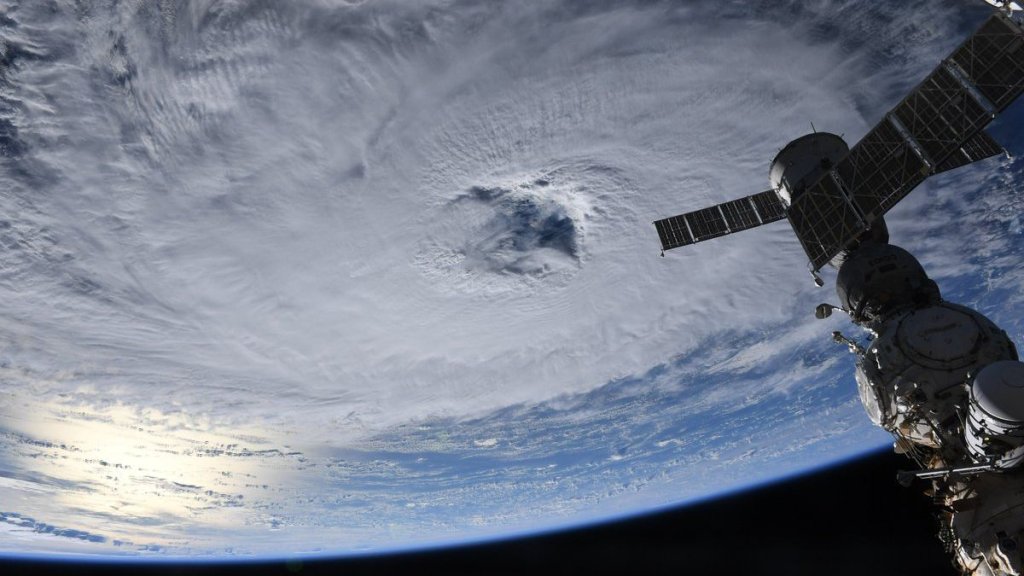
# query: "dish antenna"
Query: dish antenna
{"points": [[942, 378]]}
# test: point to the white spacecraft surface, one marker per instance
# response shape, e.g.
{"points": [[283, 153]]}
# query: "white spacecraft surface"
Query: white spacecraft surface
{"points": [[1011, 6], [942, 378]]}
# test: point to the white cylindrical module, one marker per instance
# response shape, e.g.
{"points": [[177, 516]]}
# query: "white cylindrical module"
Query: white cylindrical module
{"points": [[914, 375], [995, 418], [803, 161]]}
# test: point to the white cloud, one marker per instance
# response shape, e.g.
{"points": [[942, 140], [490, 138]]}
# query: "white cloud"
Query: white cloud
{"points": [[247, 220]]}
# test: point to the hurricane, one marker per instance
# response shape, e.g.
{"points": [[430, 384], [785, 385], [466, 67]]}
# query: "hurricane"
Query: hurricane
{"points": [[329, 276]]}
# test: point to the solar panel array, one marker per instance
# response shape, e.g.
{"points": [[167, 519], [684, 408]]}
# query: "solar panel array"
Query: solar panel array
{"points": [[993, 59], [978, 148], [935, 128], [719, 220], [824, 217]]}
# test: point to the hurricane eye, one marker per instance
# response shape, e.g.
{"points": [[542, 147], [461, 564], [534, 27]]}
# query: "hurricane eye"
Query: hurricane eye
{"points": [[491, 238]]}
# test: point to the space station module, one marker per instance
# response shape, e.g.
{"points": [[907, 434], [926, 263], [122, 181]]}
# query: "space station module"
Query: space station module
{"points": [[942, 378], [947, 383]]}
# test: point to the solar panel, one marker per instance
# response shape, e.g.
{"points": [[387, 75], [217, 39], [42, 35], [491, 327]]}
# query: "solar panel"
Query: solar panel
{"points": [[824, 218], [740, 215], [673, 232], [768, 206], [980, 147], [719, 220], [939, 116], [936, 127], [993, 60], [879, 171]]}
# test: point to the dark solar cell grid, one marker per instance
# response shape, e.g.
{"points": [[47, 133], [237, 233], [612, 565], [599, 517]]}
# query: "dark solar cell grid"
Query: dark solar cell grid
{"points": [[719, 220], [993, 59]]}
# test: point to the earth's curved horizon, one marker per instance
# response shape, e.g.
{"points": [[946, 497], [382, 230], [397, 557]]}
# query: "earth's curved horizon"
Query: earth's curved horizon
{"points": [[569, 529], [338, 278]]}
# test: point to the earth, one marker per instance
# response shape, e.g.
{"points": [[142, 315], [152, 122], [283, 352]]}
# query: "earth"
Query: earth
{"points": [[330, 277]]}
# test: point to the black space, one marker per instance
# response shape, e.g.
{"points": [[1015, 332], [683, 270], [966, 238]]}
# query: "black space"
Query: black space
{"points": [[849, 520]]}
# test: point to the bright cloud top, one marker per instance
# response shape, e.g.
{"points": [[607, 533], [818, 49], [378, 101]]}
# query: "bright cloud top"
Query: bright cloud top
{"points": [[315, 222]]}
